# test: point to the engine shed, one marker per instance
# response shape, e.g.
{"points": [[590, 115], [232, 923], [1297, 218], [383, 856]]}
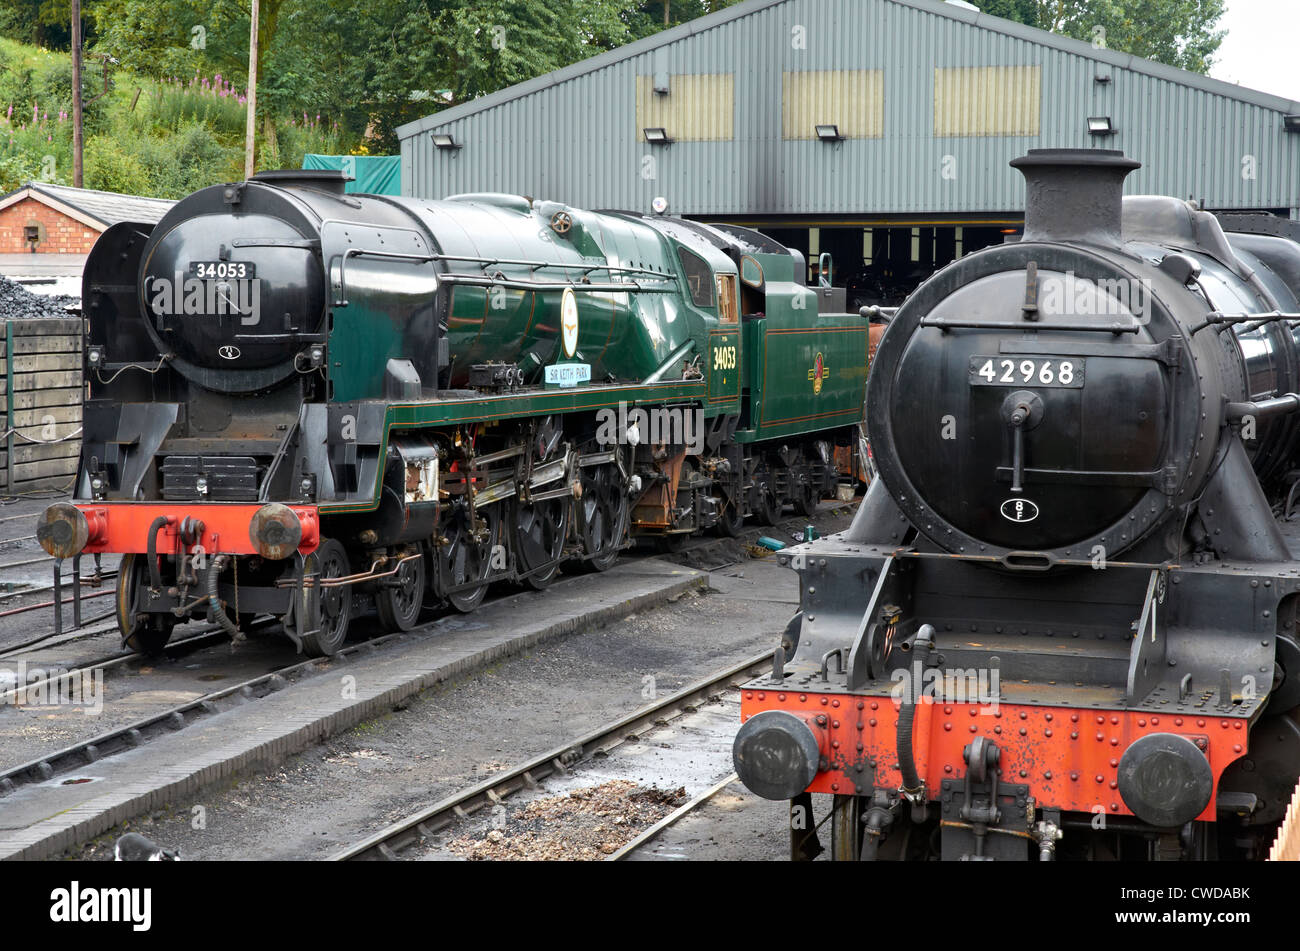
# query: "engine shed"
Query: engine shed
{"points": [[871, 135]]}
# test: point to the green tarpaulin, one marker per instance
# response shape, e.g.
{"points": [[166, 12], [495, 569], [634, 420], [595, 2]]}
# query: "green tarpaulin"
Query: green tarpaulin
{"points": [[372, 174]]}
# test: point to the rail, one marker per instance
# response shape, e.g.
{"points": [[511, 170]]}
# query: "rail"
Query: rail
{"points": [[404, 833]]}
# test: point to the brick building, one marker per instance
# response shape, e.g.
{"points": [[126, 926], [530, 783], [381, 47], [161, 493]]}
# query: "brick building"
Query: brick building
{"points": [[47, 230]]}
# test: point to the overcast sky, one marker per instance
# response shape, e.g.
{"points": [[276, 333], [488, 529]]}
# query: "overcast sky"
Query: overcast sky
{"points": [[1259, 51]]}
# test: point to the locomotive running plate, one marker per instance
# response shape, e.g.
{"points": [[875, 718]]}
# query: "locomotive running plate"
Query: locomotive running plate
{"points": [[1064, 372]]}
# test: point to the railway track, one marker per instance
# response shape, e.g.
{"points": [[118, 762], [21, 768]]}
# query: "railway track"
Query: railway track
{"points": [[389, 842], [681, 812], [132, 735]]}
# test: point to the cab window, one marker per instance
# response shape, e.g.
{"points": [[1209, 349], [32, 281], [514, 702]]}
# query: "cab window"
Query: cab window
{"points": [[699, 277]]}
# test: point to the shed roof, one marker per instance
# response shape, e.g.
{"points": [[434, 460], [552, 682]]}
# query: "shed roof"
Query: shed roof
{"points": [[983, 21], [96, 209]]}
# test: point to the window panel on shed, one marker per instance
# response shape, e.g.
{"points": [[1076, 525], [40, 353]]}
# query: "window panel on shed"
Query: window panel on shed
{"points": [[697, 108], [987, 100], [852, 99]]}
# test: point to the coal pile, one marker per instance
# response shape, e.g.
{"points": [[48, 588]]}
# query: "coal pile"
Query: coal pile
{"points": [[18, 303]]}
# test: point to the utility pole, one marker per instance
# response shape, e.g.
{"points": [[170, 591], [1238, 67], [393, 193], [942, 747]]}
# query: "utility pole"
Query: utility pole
{"points": [[76, 93], [251, 132]]}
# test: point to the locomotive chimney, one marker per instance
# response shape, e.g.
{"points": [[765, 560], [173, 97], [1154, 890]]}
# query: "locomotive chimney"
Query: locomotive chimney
{"points": [[1074, 194]]}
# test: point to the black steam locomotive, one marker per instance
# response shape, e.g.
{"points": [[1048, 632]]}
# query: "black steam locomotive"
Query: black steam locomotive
{"points": [[315, 405], [1063, 621]]}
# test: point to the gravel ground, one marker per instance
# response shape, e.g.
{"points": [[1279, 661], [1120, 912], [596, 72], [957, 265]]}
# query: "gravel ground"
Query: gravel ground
{"points": [[582, 825], [461, 733]]}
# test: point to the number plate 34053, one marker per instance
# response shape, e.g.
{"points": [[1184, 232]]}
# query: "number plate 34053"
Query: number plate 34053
{"points": [[1026, 371]]}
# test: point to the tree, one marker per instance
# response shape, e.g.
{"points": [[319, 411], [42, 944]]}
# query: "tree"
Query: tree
{"points": [[1178, 33]]}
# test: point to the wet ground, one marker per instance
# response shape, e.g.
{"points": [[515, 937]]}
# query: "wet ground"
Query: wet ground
{"points": [[456, 735]]}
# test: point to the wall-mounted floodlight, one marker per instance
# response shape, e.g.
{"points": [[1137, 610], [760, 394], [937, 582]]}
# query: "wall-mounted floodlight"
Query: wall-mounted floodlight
{"points": [[1291, 123], [829, 133], [1100, 125], [444, 140], [657, 136]]}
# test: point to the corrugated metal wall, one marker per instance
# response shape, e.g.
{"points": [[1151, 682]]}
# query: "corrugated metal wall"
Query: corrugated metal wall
{"points": [[579, 139]]}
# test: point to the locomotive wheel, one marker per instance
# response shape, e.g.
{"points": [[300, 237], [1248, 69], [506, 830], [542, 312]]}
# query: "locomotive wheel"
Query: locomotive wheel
{"points": [[806, 502], [398, 599], [146, 634], [540, 530], [465, 560], [846, 829], [605, 513], [671, 542], [769, 506], [320, 616], [731, 518]]}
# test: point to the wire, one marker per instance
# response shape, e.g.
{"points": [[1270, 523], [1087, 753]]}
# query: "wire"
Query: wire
{"points": [[40, 442], [132, 366]]}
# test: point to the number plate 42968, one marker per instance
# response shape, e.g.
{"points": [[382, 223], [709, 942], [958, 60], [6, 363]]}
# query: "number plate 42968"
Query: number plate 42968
{"points": [[1026, 371]]}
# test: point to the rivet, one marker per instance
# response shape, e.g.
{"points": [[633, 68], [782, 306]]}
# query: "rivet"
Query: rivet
{"points": [[1074, 735], [836, 724], [1236, 747], [860, 704], [875, 705], [1047, 717], [1178, 721], [762, 696], [824, 701], [1047, 732], [948, 768], [803, 697], [947, 726], [749, 695], [1074, 777], [1101, 778], [1100, 737], [872, 721], [1047, 775], [972, 727], [781, 697], [1023, 731]]}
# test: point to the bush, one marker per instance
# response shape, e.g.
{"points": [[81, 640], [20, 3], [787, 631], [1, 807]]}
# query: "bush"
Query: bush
{"points": [[186, 161], [108, 167]]}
